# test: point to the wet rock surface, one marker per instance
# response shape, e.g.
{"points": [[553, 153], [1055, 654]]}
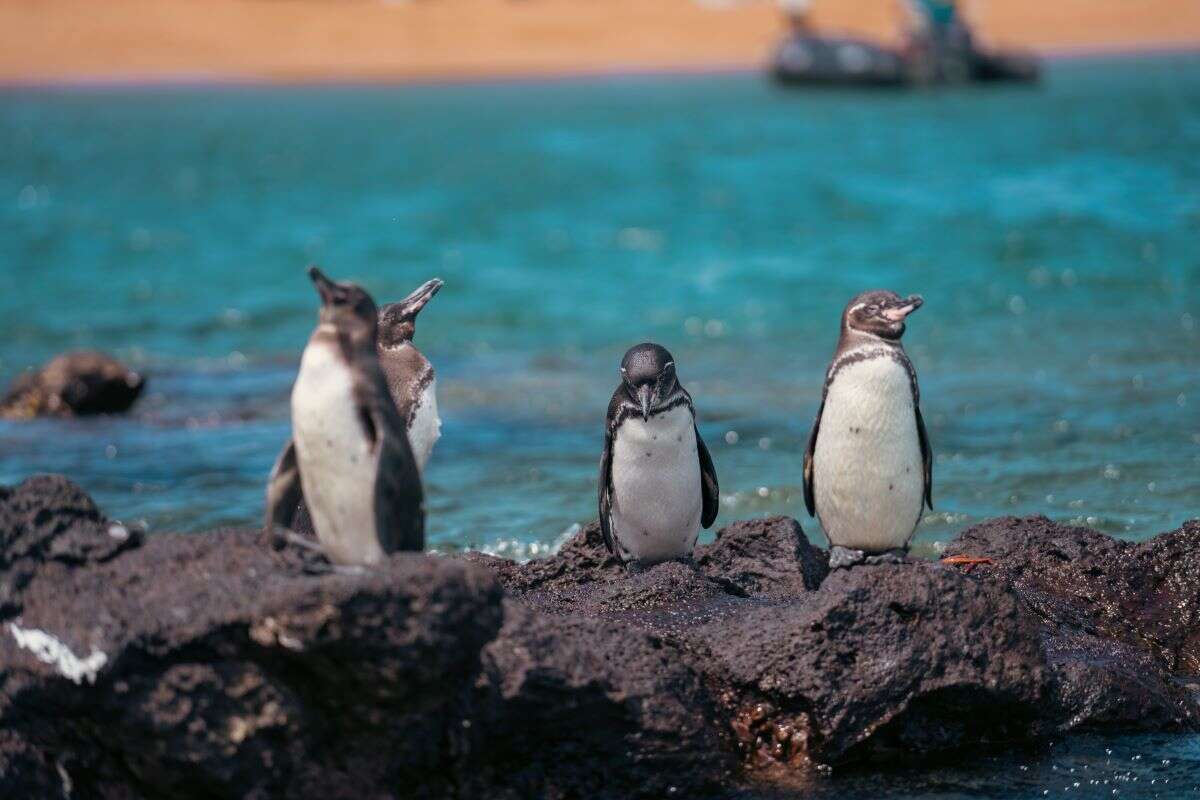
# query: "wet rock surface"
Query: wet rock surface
{"points": [[1120, 620], [75, 384], [210, 665]]}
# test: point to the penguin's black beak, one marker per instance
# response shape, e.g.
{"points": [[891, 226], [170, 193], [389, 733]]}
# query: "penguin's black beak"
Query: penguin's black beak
{"points": [[325, 287], [645, 395], [900, 312], [412, 305]]}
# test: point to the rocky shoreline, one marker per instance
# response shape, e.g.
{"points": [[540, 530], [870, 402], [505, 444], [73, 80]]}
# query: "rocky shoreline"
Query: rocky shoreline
{"points": [[210, 666]]}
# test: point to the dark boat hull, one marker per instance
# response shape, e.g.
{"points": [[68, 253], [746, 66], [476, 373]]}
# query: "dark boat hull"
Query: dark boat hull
{"points": [[837, 62], [822, 61]]}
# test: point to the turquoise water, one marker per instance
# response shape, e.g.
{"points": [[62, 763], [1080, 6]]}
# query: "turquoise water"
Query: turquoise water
{"points": [[1053, 233]]}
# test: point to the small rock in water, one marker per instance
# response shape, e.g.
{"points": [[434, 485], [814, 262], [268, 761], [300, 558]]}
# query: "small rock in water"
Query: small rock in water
{"points": [[73, 384]]}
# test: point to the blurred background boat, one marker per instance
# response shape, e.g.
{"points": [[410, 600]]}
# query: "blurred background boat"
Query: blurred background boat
{"points": [[937, 47]]}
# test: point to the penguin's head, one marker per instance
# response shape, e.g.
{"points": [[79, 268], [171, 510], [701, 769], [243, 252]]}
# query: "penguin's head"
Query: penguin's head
{"points": [[880, 313], [648, 375], [347, 307], [398, 321]]}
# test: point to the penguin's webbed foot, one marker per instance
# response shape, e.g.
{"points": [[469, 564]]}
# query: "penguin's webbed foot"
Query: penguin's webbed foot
{"points": [[315, 560], [284, 537], [844, 557], [898, 555]]}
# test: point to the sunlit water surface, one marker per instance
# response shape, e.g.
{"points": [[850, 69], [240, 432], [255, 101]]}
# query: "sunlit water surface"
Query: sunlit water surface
{"points": [[1053, 233]]}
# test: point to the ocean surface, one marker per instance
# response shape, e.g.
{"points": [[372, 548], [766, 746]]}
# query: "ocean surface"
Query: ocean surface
{"points": [[1054, 233]]}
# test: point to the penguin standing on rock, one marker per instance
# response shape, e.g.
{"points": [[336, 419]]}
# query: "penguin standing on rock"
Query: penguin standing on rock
{"points": [[868, 470], [349, 457], [657, 481], [410, 376]]}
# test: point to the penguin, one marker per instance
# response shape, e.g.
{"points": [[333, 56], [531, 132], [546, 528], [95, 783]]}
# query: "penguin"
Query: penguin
{"points": [[658, 485], [868, 468], [409, 374], [349, 457]]}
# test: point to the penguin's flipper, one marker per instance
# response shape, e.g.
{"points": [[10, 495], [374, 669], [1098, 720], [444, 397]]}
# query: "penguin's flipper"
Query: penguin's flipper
{"points": [[926, 457], [399, 498], [708, 484], [809, 491], [284, 491], [606, 492]]}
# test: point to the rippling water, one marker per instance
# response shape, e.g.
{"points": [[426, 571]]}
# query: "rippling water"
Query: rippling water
{"points": [[1142, 767], [1053, 233]]}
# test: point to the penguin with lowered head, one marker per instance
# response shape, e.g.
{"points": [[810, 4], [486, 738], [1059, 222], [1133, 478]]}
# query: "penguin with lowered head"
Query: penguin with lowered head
{"points": [[658, 486]]}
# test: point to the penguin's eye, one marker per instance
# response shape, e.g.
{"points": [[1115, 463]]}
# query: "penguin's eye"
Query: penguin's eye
{"points": [[872, 310]]}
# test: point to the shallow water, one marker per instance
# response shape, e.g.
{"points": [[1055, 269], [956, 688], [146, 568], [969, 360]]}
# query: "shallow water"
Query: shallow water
{"points": [[1053, 233], [1143, 767]]}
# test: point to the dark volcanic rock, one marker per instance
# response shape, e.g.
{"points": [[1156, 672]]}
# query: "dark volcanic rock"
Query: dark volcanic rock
{"points": [[1147, 593], [27, 771], [212, 666], [582, 561], [48, 524], [209, 666], [1103, 684], [581, 707], [764, 556], [913, 657], [73, 384], [1121, 620]]}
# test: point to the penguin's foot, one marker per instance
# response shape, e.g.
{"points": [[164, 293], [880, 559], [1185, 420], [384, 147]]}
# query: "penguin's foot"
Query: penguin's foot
{"points": [[897, 555], [291, 537], [967, 562], [635, 567], [326, 568], [315, 566], [844, 557]]}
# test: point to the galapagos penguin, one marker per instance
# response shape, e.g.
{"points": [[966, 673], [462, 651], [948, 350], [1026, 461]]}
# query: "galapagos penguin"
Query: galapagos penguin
{"points": [[868, 469], [349, 456], [410, 376], [657, 481]]}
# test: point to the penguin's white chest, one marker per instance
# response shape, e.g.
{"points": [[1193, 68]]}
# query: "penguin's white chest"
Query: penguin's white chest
{"points": [[337, 466], [656, 494], [426, 427], [867, 466]]}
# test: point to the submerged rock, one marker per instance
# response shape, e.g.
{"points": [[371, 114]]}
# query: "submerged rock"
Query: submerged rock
{"points": [[73, 384], [211, 666]]}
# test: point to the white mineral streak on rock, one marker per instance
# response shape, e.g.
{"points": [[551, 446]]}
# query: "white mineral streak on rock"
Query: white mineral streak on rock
{"points": [[50, 650]]}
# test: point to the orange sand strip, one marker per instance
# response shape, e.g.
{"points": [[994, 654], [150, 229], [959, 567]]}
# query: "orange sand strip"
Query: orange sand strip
{"points": [[66, 40]]}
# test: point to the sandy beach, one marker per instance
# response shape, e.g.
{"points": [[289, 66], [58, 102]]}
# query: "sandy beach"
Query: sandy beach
{"points": [[321, 40]]}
